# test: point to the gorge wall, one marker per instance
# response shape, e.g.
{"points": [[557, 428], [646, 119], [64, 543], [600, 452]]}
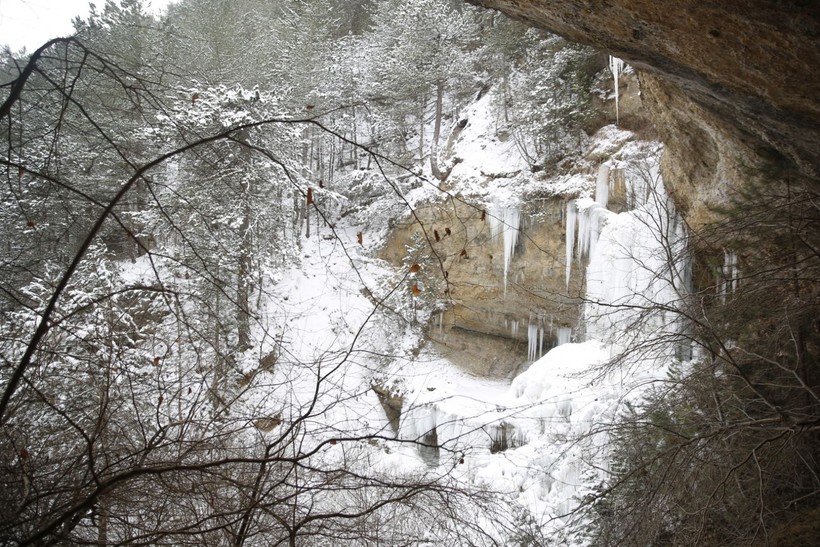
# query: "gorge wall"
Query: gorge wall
{"points": [[729, 84], [492, 245], [485, 326]]}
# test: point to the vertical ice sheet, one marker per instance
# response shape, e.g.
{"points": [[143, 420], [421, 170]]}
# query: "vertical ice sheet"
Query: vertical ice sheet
{"points": [[571, 219], [512, 219], [532, 341], [602, 186], [564, 335]]}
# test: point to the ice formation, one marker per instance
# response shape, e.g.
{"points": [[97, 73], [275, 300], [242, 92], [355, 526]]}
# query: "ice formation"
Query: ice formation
{"points": [[602, 186], [564, 335], [505, 221], [730, 274], [616, 66], [637, 266], [571, 219], [532, 341], [535, 336], [586, 217]]}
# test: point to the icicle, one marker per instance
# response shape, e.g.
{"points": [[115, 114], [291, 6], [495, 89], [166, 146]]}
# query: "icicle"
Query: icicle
{"points": [[602, 186], [541, 342], [564, 335], [532, 340], [616, 66], [440, 322], [505, 221], [512, 218], [572, 214]]}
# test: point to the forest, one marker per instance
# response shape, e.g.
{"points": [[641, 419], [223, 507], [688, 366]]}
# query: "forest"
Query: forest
{"points": [[248, 247]]}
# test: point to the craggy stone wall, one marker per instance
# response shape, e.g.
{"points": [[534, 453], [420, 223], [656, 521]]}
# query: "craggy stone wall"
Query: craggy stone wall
{"points": [[727, 82], [477, 330]]}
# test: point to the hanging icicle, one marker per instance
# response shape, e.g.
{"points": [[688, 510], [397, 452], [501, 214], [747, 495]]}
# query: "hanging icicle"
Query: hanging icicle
{"points": [[505, 221], [589, 227], [532, 341], [729, 275], [616, 66], [512, 218], [535, 337], [586, 217]]}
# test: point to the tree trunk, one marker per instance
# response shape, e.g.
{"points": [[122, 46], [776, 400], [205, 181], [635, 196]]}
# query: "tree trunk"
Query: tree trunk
{"points": [[434, 167], [422, 108], [243, 325], [102, 521]]}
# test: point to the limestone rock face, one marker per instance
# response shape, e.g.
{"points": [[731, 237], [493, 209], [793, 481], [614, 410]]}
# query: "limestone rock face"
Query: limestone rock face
{"points": [[727, 81], [485, 329]]}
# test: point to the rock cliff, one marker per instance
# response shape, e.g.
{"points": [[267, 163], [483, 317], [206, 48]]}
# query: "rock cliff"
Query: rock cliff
{"points": [[728, 83], [494, 240], [485, 327]]}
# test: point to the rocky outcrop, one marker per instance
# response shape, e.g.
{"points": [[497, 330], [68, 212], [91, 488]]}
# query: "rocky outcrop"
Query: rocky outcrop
{"points": [[485, 327], [729, 83], [496, 307]]}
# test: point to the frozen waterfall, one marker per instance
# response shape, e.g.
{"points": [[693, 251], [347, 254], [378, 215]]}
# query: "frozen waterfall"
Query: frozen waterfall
{"points": [[638, 268], [636, 260], [730, 274]]}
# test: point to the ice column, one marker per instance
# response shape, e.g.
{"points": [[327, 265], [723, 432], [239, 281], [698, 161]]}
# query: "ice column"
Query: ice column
{"points": [[572, 214], [532, 341], [602, 186], [564, 335], [587, 216], [616, 66], [512, 219], [730, 275]]}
